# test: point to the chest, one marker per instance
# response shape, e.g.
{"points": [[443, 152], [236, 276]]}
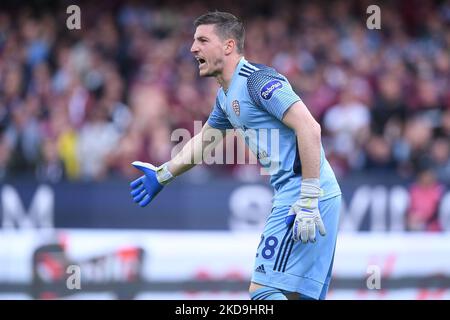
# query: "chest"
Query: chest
{"points": [[241, 111]]}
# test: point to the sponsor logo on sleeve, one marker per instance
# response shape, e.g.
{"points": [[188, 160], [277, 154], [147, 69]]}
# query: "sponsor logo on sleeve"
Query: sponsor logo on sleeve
{"points": [[269, 88]]}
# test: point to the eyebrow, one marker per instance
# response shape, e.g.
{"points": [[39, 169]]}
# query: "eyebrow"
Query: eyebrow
{"points": [[201, 38]]}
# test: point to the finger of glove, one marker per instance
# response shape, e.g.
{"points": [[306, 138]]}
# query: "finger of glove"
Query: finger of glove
{"points": [[312, 232], [145, 201], [140, 196], [295, 231], [137, 182], [304, 233], [137, 190], [289, 219], [144, 166], [321, 227]]}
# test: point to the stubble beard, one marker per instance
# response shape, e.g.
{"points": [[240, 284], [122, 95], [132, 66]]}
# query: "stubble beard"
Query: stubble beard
{"points": [[217, 69]]}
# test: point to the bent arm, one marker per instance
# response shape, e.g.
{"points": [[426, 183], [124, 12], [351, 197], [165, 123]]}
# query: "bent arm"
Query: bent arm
{"points": [[308, 134], [195, 149]]}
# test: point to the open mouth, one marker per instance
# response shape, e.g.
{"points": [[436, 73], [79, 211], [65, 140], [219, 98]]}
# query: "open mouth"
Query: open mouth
{"points": [[201, 61]]}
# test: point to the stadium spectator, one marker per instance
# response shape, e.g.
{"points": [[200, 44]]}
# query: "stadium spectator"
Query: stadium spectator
{"points": [[130, 64], [424, 199]]}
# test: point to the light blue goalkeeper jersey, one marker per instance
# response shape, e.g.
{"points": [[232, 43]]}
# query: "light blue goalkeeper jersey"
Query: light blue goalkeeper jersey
{"points": [[254, 105]]}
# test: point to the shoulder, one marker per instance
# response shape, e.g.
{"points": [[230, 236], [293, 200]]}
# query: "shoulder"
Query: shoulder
{"points": [[263, 73], [263, 79]]}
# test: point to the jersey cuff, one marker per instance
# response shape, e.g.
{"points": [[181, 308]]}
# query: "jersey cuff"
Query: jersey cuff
{"points": [[288, 105]]}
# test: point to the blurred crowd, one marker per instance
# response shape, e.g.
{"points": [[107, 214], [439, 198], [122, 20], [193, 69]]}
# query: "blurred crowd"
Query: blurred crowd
{"points": [[83, 104]]}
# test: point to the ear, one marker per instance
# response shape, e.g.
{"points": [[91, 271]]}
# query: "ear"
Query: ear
{"points": [[229, 46]]}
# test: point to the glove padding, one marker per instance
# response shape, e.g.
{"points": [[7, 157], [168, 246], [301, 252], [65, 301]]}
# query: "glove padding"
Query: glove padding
{"points": [[145, 188], [306, 213]]}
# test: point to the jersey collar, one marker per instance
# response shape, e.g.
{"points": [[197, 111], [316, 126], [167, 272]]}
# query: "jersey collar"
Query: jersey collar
{"points": [[235, 73]]}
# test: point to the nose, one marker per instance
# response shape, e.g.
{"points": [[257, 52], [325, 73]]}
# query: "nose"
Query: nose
{"points": [[194, 48]]}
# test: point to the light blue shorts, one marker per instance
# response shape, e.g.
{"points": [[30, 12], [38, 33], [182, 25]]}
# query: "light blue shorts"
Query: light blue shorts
{"points": [[297, 267]]}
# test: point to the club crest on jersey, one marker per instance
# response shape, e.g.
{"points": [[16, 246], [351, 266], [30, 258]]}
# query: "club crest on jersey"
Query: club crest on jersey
{"points": [[269, 88], [236, 107]]}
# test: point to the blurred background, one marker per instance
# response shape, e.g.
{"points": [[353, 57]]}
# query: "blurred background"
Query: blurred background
{"points": [[78, 106]]}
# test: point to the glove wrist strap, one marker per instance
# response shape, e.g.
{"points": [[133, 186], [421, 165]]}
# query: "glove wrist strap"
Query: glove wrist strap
{"points": [[163, 174], [310, 188]]}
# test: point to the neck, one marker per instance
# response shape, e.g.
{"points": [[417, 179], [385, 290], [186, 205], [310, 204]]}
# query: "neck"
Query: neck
{"points": [[224, 78]]}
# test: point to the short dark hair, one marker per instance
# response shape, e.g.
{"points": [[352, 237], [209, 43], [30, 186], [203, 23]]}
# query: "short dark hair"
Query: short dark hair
{"points": [[227, 26]]}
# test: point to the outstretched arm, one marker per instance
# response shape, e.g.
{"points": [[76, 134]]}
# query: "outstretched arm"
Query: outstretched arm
{"points": [[195, 149], [145, 188]]}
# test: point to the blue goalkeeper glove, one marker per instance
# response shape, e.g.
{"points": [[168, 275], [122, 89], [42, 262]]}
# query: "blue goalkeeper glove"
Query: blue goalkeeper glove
{"points": [[145, 188], [305, 213]]}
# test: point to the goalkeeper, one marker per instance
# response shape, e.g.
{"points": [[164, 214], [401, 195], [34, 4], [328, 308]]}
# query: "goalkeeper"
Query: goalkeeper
{"points": [[292, 262]]}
